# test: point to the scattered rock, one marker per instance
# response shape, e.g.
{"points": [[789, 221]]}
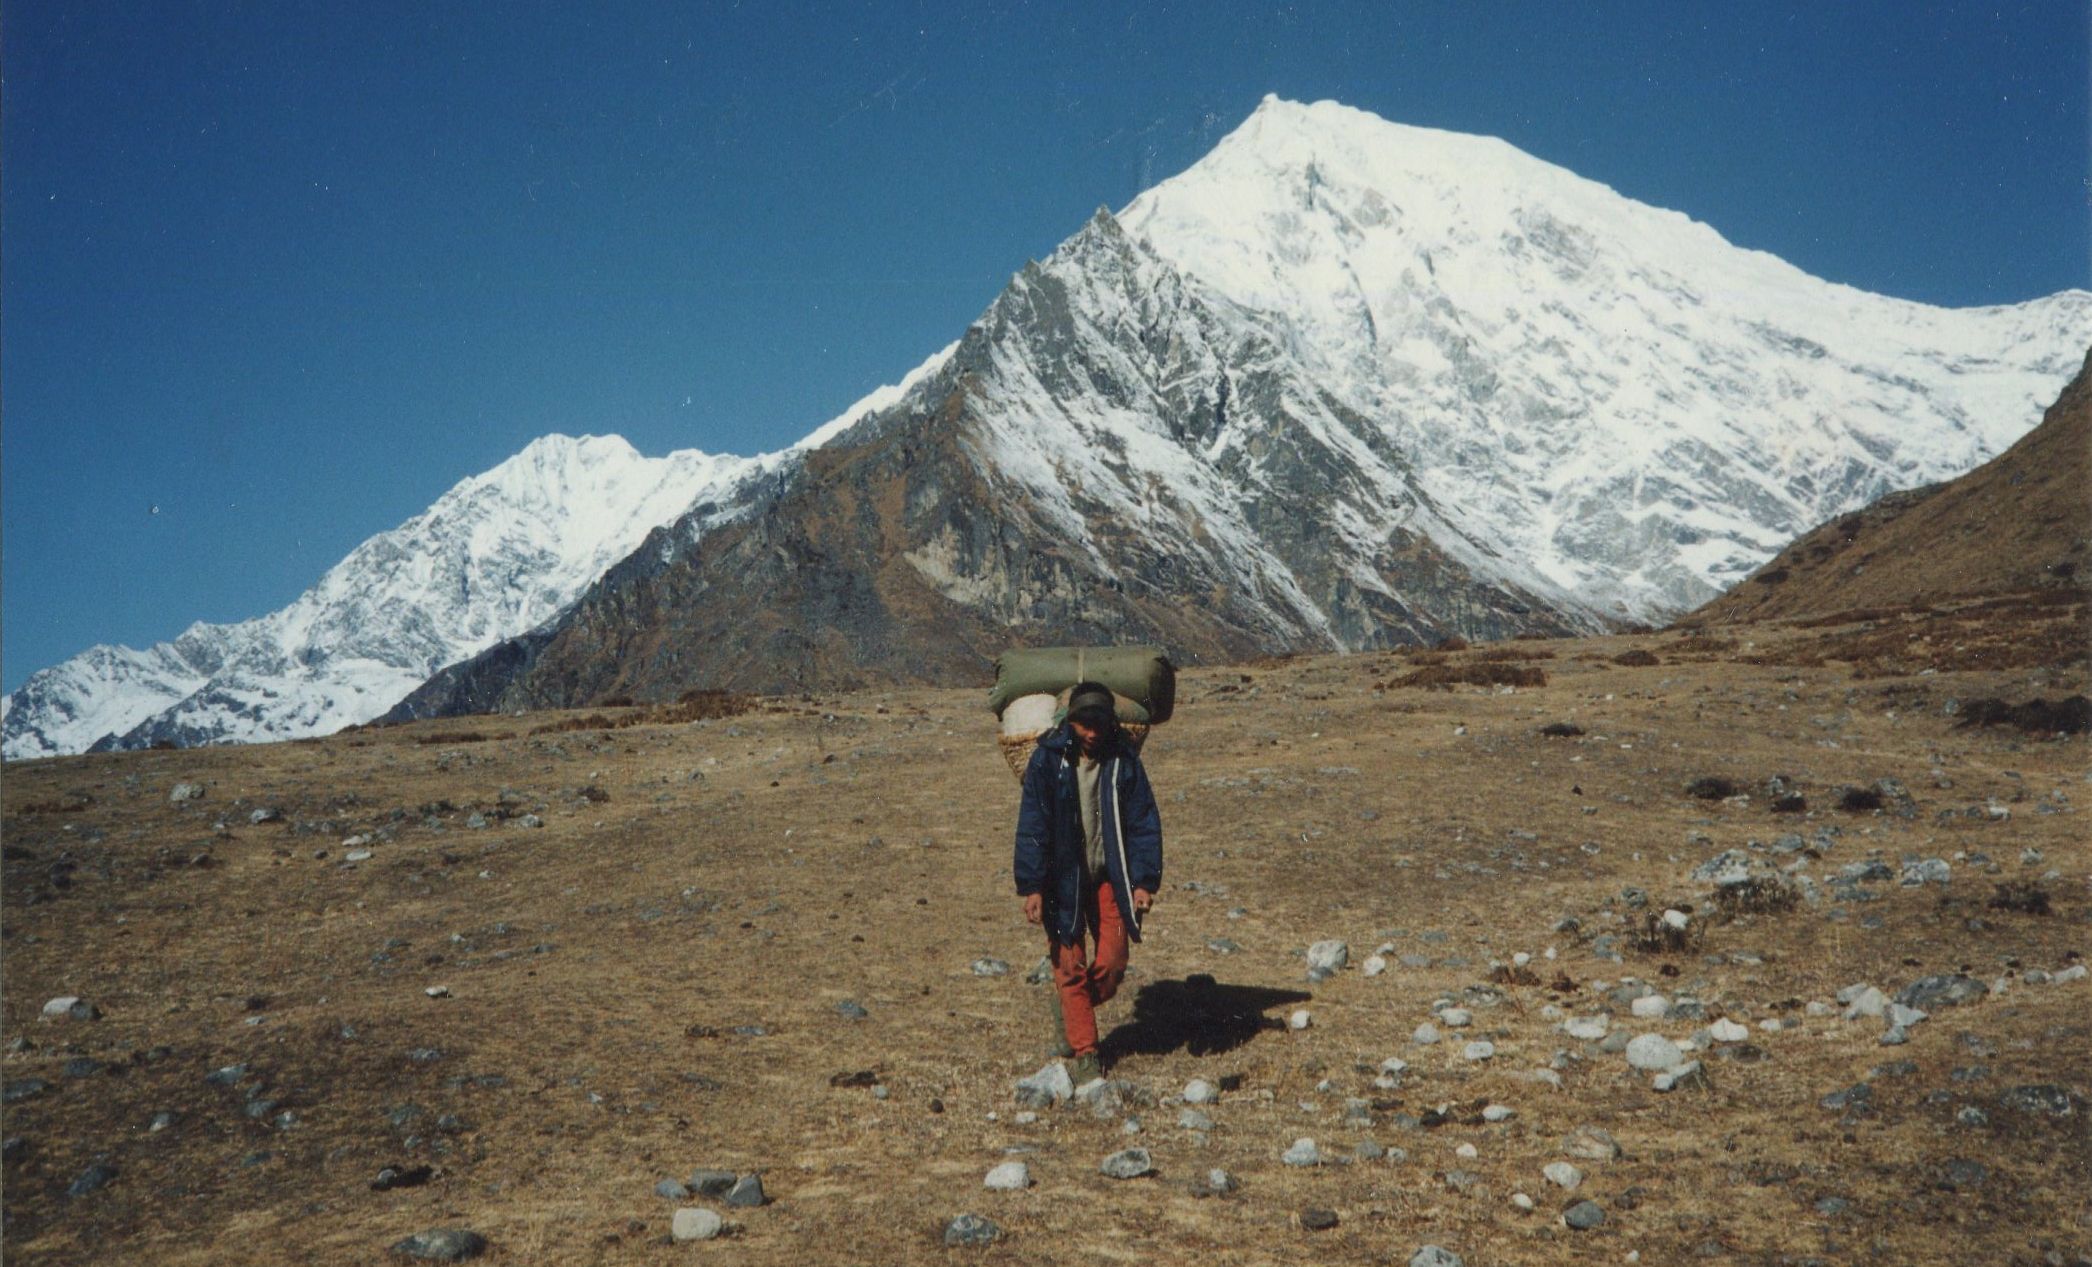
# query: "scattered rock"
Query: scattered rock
{"points": [[694, 1223], [1650, 1007], [443, 1244], [93, 1179], [1863, 1001], [712, 1183], [1200, 1091], [1588, 1028], [1300, 1019], [988, 967], [1193, 1120], [851, 1010], [1480, 1050], [185, 792], [1326, 958], [1591, 1144], [1943, 990], [1046, 1088], [1433, 1256], [1857, 1098], [1128, 1163], [23, 1089], [395, 1177], [1584, 1215], [1426, 1034], [1010, 1176], [1318, 1219], [746, 1192], [1216, 1183], [971, 1229], [1727, 1031], [1963, 1175], [1653, 1053], [672, 1189], [1302, 1153], [1563, 1175], [71, 1008], [2040, 1099]]}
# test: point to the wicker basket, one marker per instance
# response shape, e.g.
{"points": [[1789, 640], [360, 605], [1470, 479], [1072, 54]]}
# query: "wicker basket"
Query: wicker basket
{"points": [[1017, 749]]}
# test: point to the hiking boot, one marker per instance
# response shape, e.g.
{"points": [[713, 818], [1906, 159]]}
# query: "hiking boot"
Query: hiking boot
{"points": [[1085, 1069], [1057, 1025]]}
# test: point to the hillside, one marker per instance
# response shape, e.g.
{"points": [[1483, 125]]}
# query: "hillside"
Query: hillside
{"points": [[2020, 522], [535, 966]]}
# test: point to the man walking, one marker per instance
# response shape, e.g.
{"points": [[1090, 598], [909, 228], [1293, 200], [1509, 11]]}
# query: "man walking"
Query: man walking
{"points": [[1088, 861]]}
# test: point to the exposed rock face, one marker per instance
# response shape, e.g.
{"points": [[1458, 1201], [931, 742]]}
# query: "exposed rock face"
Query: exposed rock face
{"points": [[1343, 384]]}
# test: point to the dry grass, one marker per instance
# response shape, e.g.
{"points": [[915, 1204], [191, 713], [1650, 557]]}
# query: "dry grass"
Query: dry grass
{"points": [[648, 983], [1486, 673]]}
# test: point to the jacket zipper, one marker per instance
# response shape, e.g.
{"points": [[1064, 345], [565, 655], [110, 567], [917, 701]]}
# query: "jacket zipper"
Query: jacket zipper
{"points": [[1119, 829]]}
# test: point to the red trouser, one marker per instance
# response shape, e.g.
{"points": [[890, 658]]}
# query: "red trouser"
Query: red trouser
{"points": [[1085, 985]]}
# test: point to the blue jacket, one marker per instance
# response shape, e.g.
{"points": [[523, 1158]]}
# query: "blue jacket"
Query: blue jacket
{"points": [[1050, 836]]}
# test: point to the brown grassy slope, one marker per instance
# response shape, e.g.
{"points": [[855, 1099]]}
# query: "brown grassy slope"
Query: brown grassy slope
{"points": [[2022, 521], [691, 881]]}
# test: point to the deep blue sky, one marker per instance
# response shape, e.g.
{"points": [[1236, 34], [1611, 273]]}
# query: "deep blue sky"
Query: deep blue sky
{"points": [[287, 271]]}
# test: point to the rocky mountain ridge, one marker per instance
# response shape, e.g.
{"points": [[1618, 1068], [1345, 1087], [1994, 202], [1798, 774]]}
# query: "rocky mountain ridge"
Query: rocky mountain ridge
{"points": [[1342, 384]]}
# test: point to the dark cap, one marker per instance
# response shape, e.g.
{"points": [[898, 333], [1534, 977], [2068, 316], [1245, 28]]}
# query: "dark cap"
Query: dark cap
{"points": [[1092, 704]]}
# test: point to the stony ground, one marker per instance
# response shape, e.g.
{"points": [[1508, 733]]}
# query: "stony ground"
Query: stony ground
{"points": [[755, 944]]}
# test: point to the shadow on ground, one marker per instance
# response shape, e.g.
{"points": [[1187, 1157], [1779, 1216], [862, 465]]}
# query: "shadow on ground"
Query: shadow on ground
{"points": [[1198, 1015]]}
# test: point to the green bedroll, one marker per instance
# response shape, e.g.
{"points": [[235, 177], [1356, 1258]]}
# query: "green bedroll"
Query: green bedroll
{"points": [[1143, 675]]}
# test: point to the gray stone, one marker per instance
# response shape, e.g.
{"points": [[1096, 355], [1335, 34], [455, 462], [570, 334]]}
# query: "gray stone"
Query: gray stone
{"points": [[1046, 1088], [1963, 1175], [672, 1189], [1326, 958], [2041, 1099], [1302, 1153], [23, 1089], [1857, 1098], [1426, 1034], [443, 1245], [1653, 1052], [1318, 1219], [747, 1191], [1588, 1028], [185, 792], [1563, 1175], [1584, 1215], [1010, 1176], [1193, 1120], [693, 1223], [531, 820], [1926, 871], [1217, 1182], [93, 1179], [971, 1229], [851, 1010], [1949, 989], [1590, 1143], [1128, 1163], [1730, 868], [986, 967], [1434, 1256], [1200, 1091], [712, 1183]]}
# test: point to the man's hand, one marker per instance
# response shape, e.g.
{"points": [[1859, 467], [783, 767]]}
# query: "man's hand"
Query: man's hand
{"points": [[1034, 908], [1142, 900]]}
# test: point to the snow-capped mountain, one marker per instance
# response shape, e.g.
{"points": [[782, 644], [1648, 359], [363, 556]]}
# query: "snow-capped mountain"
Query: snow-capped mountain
{"points": [[1342, 384], [495, 555]]}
